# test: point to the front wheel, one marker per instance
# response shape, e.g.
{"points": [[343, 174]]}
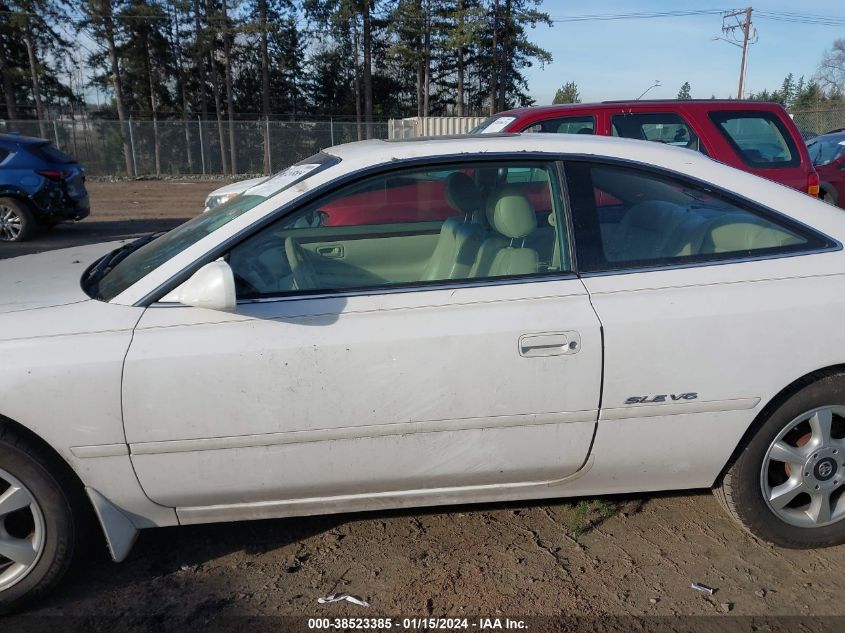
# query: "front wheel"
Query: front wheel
{"points": [[786, 485], [37, 533]]}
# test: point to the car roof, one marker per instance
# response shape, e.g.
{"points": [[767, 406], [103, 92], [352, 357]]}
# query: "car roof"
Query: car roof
{"points": [[829, 136], [373, 152], [710, 104], [18, 139]]}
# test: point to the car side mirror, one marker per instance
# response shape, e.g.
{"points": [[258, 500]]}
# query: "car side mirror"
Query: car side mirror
{"points": [[211, 287]]}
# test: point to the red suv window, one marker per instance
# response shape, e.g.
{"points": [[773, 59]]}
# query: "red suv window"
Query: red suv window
{"points": [[585, 124], [759, 138], [663, 127]]}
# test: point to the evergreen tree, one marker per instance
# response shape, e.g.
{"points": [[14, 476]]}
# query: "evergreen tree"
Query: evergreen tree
{"points": [[568, 93]]}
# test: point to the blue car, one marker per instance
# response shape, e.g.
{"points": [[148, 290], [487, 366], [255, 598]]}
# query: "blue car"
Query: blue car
{"points": [[39, 186]]}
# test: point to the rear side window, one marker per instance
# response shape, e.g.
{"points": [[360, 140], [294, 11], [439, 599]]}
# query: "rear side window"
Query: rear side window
{"points": [[759, 138], [662, 127], [565, 125], [51, 154], [651, 219]]}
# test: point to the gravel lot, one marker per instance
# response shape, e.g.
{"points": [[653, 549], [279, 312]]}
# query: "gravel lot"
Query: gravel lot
{"points": [[619, 556]]}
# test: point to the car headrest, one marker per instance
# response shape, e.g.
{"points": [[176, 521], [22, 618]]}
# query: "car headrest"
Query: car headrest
{"points": [[511, 214], [462, 194]]}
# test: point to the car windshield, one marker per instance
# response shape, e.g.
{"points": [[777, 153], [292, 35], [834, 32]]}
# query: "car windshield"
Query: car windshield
{"points": [[493, 125], [121, 268], [826, 149]]}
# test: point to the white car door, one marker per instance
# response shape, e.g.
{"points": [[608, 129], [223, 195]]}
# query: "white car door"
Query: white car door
{"points": [[701, 296], [387, 352]]}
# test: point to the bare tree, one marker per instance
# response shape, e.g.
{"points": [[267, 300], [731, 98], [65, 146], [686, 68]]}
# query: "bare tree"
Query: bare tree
{"points": [[215, 89], [357, 61], [427, 58], [176, 46], [831, 72], [496, 68], [230, 96], [199, 58], [265, 80], [151, 78], [368, 67], [33, 69]]}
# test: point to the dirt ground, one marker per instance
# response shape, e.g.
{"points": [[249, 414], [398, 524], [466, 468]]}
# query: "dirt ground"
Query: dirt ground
{"points": [[120, 210], [611, 556]]}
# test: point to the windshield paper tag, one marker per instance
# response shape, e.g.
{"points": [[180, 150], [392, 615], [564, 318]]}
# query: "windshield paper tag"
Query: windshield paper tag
{"points": [[499, 124], [281, 180]]}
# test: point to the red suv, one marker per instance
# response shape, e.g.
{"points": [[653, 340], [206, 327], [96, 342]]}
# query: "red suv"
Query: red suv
{"points": [[753, 136]]}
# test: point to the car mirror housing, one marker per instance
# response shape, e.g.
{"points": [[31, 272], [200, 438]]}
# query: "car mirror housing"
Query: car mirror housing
{"points": [[211, 287]]}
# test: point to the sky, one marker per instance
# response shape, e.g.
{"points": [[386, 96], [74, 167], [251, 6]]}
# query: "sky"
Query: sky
{"points": [[620, 59]]}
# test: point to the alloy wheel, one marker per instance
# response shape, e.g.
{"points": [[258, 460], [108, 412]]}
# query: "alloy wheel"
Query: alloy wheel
{"points": [[21, 531], [803, 470], [11, 224]]}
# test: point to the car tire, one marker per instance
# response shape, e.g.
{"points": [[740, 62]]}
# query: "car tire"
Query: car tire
{"points": [[48, 523], [764, 474], [17, 223]]}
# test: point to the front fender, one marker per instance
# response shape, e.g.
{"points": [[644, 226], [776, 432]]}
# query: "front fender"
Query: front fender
{"points": [[60, 378]]}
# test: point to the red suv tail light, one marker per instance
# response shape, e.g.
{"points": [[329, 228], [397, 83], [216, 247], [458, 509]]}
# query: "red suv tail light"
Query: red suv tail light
{"points": [[813, 184], [57, 175]]}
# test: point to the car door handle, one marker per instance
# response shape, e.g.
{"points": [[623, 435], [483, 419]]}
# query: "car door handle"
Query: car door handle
{"points": [[335, 250], [549, 344]]}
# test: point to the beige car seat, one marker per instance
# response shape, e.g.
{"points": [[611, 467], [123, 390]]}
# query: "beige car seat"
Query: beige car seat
{"points": [[461, 235], [513, 219]]}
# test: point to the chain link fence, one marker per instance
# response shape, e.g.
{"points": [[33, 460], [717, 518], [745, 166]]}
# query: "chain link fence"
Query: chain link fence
{"points": [[819, 121], [193, 147], [190, 147]]}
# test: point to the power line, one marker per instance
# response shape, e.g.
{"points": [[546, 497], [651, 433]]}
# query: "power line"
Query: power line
{"points": [[779, 16]]}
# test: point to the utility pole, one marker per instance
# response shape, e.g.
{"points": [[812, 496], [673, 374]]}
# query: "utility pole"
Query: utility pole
{"points": [[739, 21]]}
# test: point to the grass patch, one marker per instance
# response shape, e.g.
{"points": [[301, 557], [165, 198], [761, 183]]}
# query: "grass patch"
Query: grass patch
{"points": [[589, 512]]}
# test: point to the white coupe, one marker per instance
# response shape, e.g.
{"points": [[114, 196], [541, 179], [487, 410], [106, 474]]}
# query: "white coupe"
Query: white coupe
{"points": [[419, 323]]}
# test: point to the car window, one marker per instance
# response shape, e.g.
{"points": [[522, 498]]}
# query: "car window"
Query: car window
{"points": [[661, 127], [565, 125], [411, 226], [51, 154], [824, 151], [649, 219], [759, 138], [493, 125], [3, 154], [153, 254]]}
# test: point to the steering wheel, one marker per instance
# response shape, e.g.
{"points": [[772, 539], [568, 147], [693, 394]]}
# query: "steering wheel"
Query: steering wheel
{"points": [[304, 274]]}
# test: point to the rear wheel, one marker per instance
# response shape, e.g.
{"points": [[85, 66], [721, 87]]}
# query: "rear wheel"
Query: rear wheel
{"points": [[16, 221], [786, 485], [37, 532]]}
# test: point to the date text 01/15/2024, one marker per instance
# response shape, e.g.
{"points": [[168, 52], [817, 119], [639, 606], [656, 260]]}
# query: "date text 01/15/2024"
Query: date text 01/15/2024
{"points": [[429, 623]]}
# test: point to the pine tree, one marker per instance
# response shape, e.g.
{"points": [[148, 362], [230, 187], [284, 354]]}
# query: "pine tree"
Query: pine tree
{"points": [[568, 93]]}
